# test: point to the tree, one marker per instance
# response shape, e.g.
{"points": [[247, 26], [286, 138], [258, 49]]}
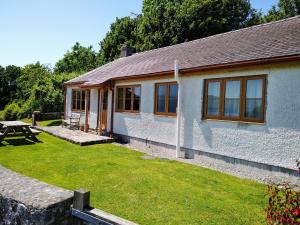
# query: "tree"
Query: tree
{"points": [[122, 31], [8, 86], [284, 9], [79, 59], [30, 74], [167, 22]]}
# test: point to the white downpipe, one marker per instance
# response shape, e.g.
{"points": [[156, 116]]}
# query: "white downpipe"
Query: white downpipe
{"points": [[176, 74]]}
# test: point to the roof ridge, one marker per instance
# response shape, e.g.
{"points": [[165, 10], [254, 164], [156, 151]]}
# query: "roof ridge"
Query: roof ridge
{"points": [[220, 34]]}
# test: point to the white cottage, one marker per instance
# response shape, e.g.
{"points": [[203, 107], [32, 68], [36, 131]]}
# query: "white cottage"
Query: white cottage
{"points": [[240, 98]]}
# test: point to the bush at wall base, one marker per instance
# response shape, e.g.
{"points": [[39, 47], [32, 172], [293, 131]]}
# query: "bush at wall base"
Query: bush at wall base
{"points": [[283, 203]]}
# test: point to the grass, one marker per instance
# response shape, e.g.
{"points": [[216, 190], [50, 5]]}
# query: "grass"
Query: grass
{"points": [[144, 191], [46, 123]]}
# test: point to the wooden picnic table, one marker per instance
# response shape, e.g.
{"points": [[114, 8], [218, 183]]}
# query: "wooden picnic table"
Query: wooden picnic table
{"points": [[15, 129]]}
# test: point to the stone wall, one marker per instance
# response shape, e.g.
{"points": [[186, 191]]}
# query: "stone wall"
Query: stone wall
{"points": [[48, 116], [26, 201]]}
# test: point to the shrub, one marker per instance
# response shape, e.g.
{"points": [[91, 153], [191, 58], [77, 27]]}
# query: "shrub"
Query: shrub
{"points": [[12, 111], [283, 206], [1, 115]]}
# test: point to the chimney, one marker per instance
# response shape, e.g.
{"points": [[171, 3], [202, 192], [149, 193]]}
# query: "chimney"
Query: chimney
{"points": [[126, 50]]}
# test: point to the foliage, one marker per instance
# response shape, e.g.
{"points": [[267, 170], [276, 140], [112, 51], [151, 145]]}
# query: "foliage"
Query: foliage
{"points": [[8, 86], [122, 31], [11, 111], [284, 9], [31, 74], [284, 204], [144, 191], [1, 115], [79, 59], [167, 22]]}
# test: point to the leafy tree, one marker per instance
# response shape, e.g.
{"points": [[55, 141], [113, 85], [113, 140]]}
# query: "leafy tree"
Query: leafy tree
{"points": [[79, 59], [284, 9], [8, 86], [30, 74], [122, 31], [167, 22]]}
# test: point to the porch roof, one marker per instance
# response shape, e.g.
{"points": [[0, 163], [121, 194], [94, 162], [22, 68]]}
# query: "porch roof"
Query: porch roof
{"points": [[271, 42]]}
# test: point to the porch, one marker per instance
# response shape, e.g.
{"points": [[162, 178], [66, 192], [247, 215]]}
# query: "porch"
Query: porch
{"points": [[94, 105], [76, 136]]}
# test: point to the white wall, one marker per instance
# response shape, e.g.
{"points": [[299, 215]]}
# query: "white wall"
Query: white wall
{"points": [[93, 109], [69, 101], [276, 142]]}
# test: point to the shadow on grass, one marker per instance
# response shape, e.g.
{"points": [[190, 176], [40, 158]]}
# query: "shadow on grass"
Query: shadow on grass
{"points": [[54, 123], [20, 142]]}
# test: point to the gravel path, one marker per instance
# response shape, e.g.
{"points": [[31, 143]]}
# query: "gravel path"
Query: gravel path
{"points": [[238, 170]]}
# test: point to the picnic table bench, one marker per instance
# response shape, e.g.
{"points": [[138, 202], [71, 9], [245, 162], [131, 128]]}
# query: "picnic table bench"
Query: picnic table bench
{"points": [[15, 129]]}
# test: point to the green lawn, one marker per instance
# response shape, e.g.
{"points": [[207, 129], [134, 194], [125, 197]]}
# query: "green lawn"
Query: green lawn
{"points": [[144, 191], [46, 123]]}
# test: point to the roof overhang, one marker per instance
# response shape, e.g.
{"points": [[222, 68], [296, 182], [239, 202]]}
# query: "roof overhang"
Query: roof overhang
{"points": [[187, 71]]}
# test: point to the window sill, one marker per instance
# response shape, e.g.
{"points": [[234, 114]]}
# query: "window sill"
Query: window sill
{"points": [[235, 121], [165, 115]]}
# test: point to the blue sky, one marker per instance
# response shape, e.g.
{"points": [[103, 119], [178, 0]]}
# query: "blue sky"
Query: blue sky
{"points": [[43, 30]]}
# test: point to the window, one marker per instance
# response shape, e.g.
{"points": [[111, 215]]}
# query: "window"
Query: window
{"points": [[166, 98], [237, 99], [78, 100], [129, 98]]}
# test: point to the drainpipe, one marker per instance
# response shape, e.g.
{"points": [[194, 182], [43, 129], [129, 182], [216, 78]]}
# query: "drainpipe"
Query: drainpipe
{"points": [[176, 74]]}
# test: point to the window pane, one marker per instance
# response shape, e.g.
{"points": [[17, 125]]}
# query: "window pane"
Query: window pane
{"points": [[161, 98], [120, 98], [74, 104], [213, 100], [128, 98], [232, 98], [254, 99], [136, 100], [83, 100], [173, 92], [105, 99]]}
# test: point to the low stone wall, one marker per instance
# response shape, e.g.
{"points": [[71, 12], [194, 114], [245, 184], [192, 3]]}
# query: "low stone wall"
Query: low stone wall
{"points": [[48, 116], [27, 201]]}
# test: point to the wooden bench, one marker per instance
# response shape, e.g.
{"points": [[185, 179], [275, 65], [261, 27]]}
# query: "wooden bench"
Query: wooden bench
{"points": [[35, 132], [73, 121]]}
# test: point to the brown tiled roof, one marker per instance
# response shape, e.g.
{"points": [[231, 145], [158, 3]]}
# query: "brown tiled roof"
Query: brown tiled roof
{"points": [[274, 40]]}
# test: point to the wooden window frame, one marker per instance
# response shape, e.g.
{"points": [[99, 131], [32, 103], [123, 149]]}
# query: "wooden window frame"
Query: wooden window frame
{"points": [[166, 113], [243, 91], [80, 108], [131, 98]]}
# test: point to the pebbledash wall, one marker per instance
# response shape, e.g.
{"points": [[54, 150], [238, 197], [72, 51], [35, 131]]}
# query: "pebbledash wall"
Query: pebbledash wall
{"points": [[276, 142]]}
